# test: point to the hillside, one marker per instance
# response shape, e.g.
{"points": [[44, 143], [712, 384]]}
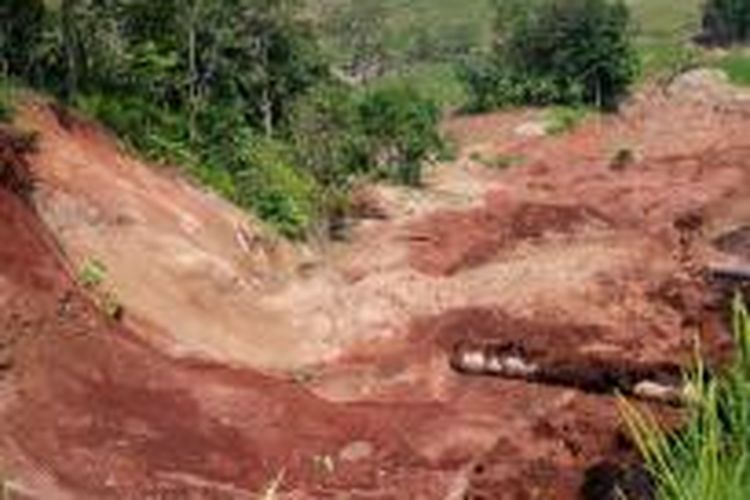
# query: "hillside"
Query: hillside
{"points": [[287, 250], [562, 256], [662, 29]]}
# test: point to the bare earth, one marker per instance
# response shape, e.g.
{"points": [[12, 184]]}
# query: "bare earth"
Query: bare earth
{"points": [[243, 362]]}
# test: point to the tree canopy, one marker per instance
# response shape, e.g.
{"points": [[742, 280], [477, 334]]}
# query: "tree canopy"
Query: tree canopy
{"points": [[238, 91], [555, 51]]}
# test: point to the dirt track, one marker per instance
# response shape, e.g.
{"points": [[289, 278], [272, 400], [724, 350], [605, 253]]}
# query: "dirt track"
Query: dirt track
{"points": [[242, 360]]}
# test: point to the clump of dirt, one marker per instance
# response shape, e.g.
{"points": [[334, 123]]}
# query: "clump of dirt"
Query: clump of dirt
{"points": [[612, 481], [445, 243], [735, 242], [566, 460], [14, 167]]}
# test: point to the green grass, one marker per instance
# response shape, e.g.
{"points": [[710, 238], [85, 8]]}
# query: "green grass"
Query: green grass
{"points": [[737, 67], [405, 18], [666, 20], [92, 273], [499, 161], [664, 31], [436, 81], [708, 459], [563, 119], [6, 100]]}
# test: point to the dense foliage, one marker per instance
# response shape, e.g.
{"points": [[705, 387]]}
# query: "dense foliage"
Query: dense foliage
{"points": [[727, 21], [240, 92], [555, 52]]}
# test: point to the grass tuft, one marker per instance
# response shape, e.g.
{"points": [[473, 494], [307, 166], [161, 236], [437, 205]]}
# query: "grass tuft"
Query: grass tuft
{"points": [[563, 119], [6, 101], [709, 459], [737, 67]]}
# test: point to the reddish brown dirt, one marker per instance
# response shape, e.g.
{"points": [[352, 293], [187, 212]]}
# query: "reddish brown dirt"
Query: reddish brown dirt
{"points": [[546, 437], [447, 242], [562, 254], [90, 410]]}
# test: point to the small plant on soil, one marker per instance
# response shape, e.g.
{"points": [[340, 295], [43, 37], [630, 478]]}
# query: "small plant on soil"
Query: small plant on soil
{"points": [[503, 161], [622, 159], [92, 276], [92, 273], [6, 102], [561, 120], [708, 459], [110, 304], [498, 162], [302, 376]]}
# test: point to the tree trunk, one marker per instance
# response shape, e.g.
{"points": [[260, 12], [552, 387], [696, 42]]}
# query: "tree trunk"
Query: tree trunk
{"points": [[266, 104], [193, 10], [70, 48]]}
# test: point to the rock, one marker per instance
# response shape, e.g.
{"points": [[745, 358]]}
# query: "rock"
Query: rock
{"points": [[356, 451], [531, 129]]}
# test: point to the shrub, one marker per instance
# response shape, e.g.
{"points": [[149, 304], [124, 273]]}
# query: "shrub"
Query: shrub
{"points": [[561, 120], [158, 133], [327, 135], [737, 68], [271, 186], [554, 52], [6, 101], [227, 156], [401, 131], [623, 158]]}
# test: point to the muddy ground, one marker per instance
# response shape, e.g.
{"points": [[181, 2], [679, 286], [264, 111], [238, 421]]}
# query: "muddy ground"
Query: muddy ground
{"points": [[243, 364]]}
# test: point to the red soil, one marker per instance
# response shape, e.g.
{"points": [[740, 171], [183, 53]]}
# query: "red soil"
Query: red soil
{"points": [[92, 410], [447, 242], [99, 413]]}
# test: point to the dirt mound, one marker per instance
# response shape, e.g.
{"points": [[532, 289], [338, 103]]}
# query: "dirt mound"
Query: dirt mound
{"points": [[445, 243], [188, 267]]}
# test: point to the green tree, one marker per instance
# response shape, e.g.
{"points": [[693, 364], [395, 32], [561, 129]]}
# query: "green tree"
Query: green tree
{"points": [[726, 21], [273, 57], [360, 29], [21, 25], [556, 51], [327, 134], [401, 129]]}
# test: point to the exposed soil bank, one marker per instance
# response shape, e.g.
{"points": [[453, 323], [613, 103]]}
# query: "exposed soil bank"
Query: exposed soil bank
{"points": [[242, 361], [448, 242], [91, 411]]}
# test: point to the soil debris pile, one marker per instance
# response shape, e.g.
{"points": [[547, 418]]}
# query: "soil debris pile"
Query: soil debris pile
{"points": [[244, 363], [448, 242]]}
